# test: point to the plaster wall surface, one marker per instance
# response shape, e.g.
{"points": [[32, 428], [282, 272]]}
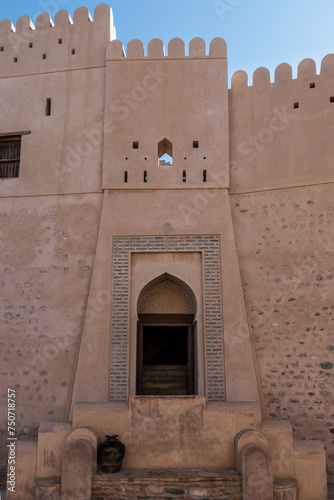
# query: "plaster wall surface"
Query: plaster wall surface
{"points": [[47, 256]]}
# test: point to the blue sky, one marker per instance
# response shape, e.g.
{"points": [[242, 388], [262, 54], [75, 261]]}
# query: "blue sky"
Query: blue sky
{"points": [[257, 32]]}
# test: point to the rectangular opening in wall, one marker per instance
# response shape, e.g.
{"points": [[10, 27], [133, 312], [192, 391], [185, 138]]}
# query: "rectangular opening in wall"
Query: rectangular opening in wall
{"points": [[331, 99], [73, 52], [2, 49], [15, 59], [296, 105], [145, 175], [10, 152], [135, 145], [312, 85], [48, 107], [125, 176], [195, 144], [60, 41], [204, 175], [44, 56], [31, 45], [184, 176]]}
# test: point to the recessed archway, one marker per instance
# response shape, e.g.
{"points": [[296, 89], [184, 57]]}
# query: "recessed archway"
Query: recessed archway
{"points": [[165, 340]]}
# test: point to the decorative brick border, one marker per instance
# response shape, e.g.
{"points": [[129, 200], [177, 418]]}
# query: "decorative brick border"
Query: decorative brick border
{"points": [[120, 323]]}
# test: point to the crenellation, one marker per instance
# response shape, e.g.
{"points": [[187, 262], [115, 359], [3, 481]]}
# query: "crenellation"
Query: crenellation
{"points": [[197, 47], [327, 65], [283, 74], [239, 81], [307, 69], [261, 77], [54, 43], [218, 48], [156, 49], [176, 48], [115, 50], [135, 49]]}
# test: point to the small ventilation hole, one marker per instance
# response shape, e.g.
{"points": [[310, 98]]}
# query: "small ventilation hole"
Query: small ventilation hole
{"points": [[204, 175], [126, 158], [312, 85], [135, 145], [184, 176], [195, 144], [185, 158], [73, 52], [60, 41], [44, 56], [331, 99], [145, 175], [125, 176], [31, 45], [2, 49], [48, 107], [296, 105], [15, 59]]}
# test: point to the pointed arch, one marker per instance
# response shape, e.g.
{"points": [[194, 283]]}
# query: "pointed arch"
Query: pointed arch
{"points": [[165, 152]]}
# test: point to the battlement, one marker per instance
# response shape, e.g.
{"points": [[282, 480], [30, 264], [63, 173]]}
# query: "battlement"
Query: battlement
{"points": [[56, 45], [176, 49], [283, 74]]}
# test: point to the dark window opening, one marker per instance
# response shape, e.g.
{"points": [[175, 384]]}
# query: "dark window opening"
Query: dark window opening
{"points": [[165, 362], [135, 145], [31, 45], [195, 144], [331, 99], [2, 49], [10, 152], [48, 107], [73, 52], [60, 41], [296, 105], [44, 56], [312, 85], [15, 59]]}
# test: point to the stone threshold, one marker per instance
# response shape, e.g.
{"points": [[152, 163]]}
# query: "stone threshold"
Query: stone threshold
{"points": [[190, 474]]}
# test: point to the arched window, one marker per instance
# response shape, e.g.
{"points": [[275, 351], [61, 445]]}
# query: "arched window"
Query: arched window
{"points": [[165, 152]]}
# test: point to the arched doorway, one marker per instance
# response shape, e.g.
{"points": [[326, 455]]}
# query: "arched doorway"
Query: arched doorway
{"points": [[166, 340]]}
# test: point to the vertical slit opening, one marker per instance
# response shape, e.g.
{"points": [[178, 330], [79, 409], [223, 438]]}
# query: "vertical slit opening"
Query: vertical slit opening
{"points": [[331, 99], [204, 175], [135, 145], [48, 107], [125, 176], [184, 176], [145, 175]]}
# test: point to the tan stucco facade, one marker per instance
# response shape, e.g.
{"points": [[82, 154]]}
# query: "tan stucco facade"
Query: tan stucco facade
{"points": [[238, 219]]}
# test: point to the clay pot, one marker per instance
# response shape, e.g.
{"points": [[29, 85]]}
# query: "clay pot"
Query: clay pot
{"points": [[110, 454]]}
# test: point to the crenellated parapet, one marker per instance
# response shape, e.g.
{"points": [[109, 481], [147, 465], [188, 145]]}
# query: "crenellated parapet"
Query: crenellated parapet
{"points": [[281, 131], [283, 74], [175, 50], [55, 45]]}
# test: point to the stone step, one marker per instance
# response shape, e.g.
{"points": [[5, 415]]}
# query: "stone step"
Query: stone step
{"points": [[151, 484]]}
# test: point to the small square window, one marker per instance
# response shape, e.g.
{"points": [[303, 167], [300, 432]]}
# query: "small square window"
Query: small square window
{"points": [[10, 152], [15, 59], [44, 56], [312, 85], [331, 99], [2, 49], [296, 105], [73, 52], [60, 41], [31, 45], [135, 145], [195, 144]]}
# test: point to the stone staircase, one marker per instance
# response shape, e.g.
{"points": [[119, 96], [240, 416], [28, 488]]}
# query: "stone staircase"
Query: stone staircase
{"points": [[152, 484]]}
